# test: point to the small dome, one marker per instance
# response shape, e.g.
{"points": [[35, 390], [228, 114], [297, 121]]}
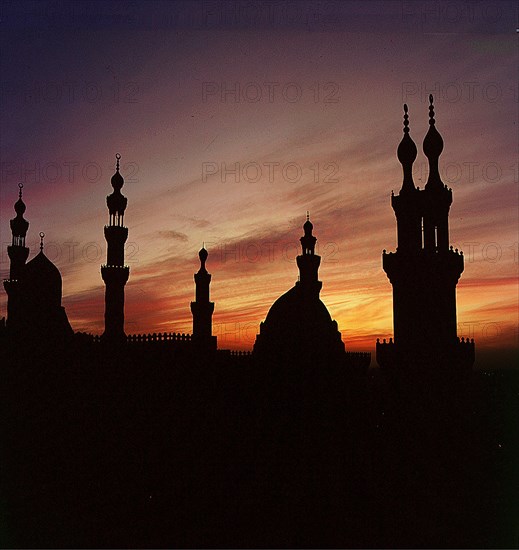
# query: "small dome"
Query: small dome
{"points": [[19, 207], [433, 142], [117, 180], [406, 151], [203, 255], [308, 227]]}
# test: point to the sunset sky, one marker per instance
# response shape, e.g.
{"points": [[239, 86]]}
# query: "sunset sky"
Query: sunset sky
{"points": [[305, 100]]}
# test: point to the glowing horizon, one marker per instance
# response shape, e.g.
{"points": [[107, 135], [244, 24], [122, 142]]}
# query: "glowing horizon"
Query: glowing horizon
{"points": [[206, 160]]}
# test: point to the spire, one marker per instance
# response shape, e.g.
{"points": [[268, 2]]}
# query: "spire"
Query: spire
{"points": [[432, 147], [406, 154], [42, 236]]}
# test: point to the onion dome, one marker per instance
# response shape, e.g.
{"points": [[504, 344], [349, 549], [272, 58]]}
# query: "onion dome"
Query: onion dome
{"points": [[19, 205], [433, 142], [19, 225], [202, 254], [406, 154], [117, 180]]}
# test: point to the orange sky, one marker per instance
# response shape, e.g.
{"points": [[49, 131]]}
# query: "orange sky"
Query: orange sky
{"points": [[331, 151]]}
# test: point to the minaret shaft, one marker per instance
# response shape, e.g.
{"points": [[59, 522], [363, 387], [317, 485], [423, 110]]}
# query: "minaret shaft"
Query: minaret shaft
{"points": [[202, 308], [115, 274]]}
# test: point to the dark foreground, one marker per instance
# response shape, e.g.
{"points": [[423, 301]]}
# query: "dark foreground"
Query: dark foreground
{"points": [[148, 451]]}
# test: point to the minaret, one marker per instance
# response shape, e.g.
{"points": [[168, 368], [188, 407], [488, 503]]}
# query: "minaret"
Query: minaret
{"points": [[424, 271], [115, 273], [18, 254], [308, 262], [202, 309]]}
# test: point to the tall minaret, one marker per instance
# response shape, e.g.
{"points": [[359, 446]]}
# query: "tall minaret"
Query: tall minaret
{"points": [[115, 273], [202, 309], [424, 271], [308, 262], [18, 254]]}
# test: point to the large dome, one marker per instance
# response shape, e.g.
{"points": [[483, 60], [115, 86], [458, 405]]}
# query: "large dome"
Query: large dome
{"points": [[298, 326], [42, 280]]}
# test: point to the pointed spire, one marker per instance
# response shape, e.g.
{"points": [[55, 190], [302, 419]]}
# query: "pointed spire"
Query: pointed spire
{"points": [[406, 154], [42, 236], [432, 147]]}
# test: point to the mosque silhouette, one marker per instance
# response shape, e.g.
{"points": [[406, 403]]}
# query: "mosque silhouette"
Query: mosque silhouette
{"points": [[156, 440]]}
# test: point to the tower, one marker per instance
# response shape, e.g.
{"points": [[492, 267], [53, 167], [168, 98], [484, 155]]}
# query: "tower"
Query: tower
{"points": [[18, 254], [424, 270], [202, 309], [115, 273]]}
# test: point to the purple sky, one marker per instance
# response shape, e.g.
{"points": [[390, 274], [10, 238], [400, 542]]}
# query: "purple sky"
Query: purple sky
{"points": [[304, 100]]}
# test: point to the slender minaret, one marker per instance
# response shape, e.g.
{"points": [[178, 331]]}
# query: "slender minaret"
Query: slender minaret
{"points": [[202, 309], [115, 273], [424, 270], [18, 254]]}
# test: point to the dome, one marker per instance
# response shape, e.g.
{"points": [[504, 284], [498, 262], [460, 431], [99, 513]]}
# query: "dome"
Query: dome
{"points": [[433, 142], [117, 181], [19, 207], [299, 326], [42, 280], [202, 254], [293, 310]]}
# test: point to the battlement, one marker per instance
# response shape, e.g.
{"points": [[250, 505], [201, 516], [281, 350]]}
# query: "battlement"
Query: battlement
{"points": [[449, 262], [460, 353]]}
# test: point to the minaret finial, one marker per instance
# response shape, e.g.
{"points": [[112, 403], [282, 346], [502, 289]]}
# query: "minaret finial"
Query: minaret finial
{"points": [[20, 186], [42, 235], [118, 157], [406, 119], [432, 147], [406, 154], [307, 215]]}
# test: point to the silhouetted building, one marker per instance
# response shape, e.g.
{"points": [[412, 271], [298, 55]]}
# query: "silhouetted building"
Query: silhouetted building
{"points": [[18, 254], [202, 308], [115, 273], [424, 270], [34, 289], [298, 327]]}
